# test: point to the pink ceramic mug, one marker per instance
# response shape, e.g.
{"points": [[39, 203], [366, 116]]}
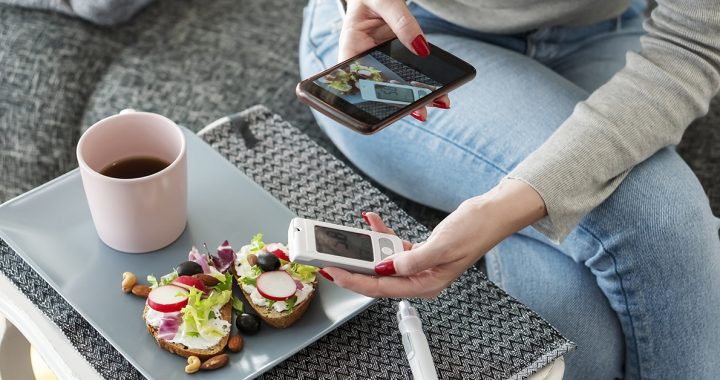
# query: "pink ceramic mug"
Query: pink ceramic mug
{"points": [[138, 214]]}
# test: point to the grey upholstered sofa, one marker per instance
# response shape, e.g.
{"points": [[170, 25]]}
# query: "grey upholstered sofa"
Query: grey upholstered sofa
{"points": [[192, 60]]}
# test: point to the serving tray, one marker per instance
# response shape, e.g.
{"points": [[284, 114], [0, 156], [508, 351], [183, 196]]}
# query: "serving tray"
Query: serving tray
{"points": [[51, 229]]}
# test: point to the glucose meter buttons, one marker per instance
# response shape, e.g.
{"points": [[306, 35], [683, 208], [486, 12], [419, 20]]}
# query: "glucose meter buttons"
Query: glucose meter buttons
{"points": [[386, 247]]}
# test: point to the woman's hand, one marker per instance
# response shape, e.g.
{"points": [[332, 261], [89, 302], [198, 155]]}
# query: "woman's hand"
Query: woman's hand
{"points": [[476, 226], [369, 23]]}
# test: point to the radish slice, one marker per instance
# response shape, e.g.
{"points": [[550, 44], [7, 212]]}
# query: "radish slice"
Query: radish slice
{"points": [[167, 299], [278, 250], [276, 285], [187, 282]]}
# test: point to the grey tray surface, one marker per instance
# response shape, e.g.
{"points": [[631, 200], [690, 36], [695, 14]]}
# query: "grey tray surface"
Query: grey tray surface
{"points": [[475, 330], [51, 229]]}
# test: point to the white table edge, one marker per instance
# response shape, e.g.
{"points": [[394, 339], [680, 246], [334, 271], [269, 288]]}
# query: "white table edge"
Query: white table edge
{"points": [[45, 336]]}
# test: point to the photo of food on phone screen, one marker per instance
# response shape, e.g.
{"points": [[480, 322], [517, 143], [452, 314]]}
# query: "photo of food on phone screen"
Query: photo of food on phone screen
{"points": [[372, 89], [378, 84]]}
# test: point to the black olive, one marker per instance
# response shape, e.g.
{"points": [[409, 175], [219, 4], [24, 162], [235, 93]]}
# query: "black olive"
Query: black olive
{"points": [[248, 323], [189, 268], [268, 262]]}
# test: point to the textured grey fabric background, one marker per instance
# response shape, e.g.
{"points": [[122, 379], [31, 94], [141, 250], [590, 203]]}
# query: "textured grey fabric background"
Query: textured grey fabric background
{"points": [[191, 60], [101, 12]]}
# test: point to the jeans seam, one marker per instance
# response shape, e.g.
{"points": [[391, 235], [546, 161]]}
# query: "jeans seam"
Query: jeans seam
{"points": [[495, 264], [463, 148], [625, 296]]}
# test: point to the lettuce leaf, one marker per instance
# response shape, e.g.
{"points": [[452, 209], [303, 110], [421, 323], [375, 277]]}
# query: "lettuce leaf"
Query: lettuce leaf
{"points": [[225, 257], [152, 281], [304, 273], [248, 280], [169, 325], [199, 258], [256, 243], [164, 280], [197, 312], [225, 282], [291, 304], [238, 305], [254, 273]]}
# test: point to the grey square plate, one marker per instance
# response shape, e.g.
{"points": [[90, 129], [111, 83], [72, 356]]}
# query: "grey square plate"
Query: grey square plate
{"points": [[50, 227]]}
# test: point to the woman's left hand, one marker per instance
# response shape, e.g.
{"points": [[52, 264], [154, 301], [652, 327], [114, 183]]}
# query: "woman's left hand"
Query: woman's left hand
{"points": [[426, 269]]}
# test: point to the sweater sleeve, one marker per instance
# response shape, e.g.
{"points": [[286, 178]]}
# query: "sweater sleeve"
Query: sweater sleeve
{"points": [[646, 106]]}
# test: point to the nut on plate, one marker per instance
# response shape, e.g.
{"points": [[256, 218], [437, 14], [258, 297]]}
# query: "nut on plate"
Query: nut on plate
{"points": [[193, 364], [129, 280], [251, 259], [207, 279], [235, 343], [141, 290], [215, 362]]}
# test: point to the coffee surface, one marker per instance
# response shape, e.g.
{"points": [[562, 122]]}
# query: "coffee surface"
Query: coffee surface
{"points": [[134, 167]]}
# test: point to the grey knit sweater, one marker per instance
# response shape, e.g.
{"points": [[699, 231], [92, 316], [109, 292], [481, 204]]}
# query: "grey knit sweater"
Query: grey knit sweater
{"points": [[645, 107]]}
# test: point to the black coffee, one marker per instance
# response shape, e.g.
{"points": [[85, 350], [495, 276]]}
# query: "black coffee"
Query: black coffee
{"points": [[134, 167]]}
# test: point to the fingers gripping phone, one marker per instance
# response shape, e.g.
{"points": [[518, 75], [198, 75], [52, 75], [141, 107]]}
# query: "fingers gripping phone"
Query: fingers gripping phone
{"points": [[373, 89], [323, 244]]}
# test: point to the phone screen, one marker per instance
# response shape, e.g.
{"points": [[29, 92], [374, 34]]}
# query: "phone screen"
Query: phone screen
{"points": [[335, 242], [386, 81]]}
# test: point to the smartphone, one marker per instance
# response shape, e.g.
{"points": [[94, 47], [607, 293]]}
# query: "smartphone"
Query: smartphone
{"points": [[373, 89], [321, 244]]}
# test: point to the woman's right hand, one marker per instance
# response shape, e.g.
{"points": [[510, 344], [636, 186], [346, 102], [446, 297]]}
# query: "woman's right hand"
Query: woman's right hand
{"points": [[369, 23]]}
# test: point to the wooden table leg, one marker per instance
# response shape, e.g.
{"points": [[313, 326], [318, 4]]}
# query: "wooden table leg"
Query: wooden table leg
{"points": [[14, 353]]}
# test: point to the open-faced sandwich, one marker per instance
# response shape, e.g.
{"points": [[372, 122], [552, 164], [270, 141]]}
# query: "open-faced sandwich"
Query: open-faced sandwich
{"points": [[189, 311], [278, 290]]}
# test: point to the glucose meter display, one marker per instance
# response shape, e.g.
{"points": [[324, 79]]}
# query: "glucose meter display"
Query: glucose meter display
{"points": [[394, 93], [348, 244]]}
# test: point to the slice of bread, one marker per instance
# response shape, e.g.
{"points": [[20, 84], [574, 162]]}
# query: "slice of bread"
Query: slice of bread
{"points": [[281, 320], [182, 350]]}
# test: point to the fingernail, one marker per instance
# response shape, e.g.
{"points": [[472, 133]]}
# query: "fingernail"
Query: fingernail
{"points": [[385, 268], [421, 46], [439, 104], [326, 275], [417, 115], [367, 220]]}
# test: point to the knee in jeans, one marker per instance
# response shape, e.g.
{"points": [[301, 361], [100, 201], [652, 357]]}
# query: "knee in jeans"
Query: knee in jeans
{"points": [[667, 222]]}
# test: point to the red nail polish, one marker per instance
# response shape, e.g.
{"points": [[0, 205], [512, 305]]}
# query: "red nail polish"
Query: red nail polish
{"points": [[417, 115], [439, 104], [367, 220], [326, 275], [421, 46], [385, 268]]}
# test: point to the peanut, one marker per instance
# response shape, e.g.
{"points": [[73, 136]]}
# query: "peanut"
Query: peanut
{"points": [[215, 362], [236, 343], [207, 279], [129, 280], [193, 364], [141, 290], [251, 259]]}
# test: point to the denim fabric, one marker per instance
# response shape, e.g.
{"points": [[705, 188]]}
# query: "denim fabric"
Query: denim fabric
{"points": [[637, 284]]}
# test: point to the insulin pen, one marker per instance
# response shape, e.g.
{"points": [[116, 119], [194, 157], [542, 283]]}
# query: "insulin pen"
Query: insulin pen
{"points": [[415, 343]]}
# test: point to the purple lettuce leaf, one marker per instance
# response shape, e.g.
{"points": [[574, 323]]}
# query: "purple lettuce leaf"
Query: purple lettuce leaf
{"points": [[199, 258], [225, 257], [169, 325]]}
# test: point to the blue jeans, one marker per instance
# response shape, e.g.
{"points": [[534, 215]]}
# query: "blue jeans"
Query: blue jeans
{"points": [[637, 284]]}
